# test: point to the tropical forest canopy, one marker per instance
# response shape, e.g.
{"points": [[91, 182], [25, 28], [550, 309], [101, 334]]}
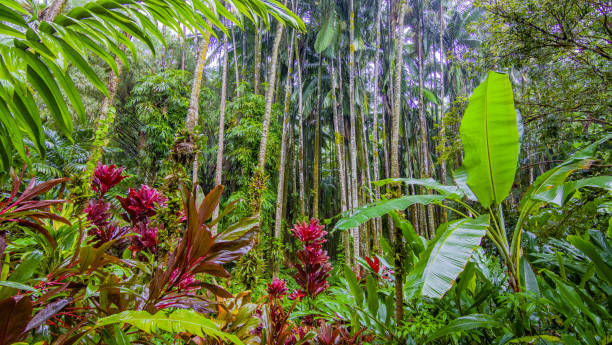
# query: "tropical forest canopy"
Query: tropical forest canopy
{"points": [[305, 172]]}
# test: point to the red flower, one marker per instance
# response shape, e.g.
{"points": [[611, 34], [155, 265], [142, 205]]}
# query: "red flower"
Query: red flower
{"points": [[277, 289], [97, 212], [311, 233], [106, 177], [140, 203], [146, 238], [373, 263], [314, 269]]}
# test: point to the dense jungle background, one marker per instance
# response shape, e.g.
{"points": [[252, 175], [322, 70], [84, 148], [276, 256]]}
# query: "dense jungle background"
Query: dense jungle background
{"points": [[305, 172]]}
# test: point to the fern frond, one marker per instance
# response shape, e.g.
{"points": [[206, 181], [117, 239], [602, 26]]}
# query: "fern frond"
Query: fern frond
{"points": [[175, 322]]}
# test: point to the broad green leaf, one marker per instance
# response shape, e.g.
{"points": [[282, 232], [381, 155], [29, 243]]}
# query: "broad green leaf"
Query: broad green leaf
{"points": [[556, 176], [353, 286], [602, 266], [528, 279], [82, 65], [372, 295], [448, 253], [490, 139], [176, 322], [381, 208], [466, 323], [18, 286], [426, 182], [460, 176], [559, 194], [70, 90]]}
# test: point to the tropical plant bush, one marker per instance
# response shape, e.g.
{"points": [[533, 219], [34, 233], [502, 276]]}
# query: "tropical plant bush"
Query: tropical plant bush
{"points": [[377, 172]]}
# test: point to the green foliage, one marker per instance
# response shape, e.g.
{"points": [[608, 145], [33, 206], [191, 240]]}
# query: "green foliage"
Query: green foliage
{"points": [[175, 322], [447, 254], [490, 139]]}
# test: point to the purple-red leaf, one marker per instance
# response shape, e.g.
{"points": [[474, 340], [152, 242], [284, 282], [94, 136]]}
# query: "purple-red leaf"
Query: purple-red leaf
{"points": [[14, 318]]}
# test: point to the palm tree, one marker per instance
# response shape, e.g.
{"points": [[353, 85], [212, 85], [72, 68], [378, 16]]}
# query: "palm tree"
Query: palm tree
{"points": [[283, 155], [219, 169], [395, 173], [353, 122], [375, 158], [194, 102]]}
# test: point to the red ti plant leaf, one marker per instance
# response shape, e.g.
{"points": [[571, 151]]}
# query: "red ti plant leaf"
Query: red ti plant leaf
{"points": [[199, 251], [140, 204], [98, 212], [27, 212], [146, 239], [15, 314], [106, 177]]}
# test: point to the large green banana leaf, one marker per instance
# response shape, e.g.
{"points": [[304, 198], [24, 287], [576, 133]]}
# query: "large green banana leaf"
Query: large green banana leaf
{"points": [[490, 138], [379, 209], [448, 253]]}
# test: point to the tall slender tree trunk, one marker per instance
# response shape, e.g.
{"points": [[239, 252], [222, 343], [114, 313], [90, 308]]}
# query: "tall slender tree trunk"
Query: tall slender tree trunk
{"points": [[283, 154], [300, 134], [423, 121], [317, 149], [163, 51], [395, 171], [236, 64], [103, 120], [257, 66], [219, 169], [442, 95], [353, 143], [375, 157], [339, 139], [194, 103], [183, 47], [269, 94]]}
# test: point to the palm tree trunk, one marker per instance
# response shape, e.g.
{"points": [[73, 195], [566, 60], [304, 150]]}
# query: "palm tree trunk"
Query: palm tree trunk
{"points": [[339, 139], [317, 149], [375, 157], [300, 134], [353, 143], [257, 71], [423, 121], [283, 154], [105, 119], [219, 169], [395, 172], [236, 63], [269, 94], [194, 102], [163, 53], [442, 126], [183, 47]]}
